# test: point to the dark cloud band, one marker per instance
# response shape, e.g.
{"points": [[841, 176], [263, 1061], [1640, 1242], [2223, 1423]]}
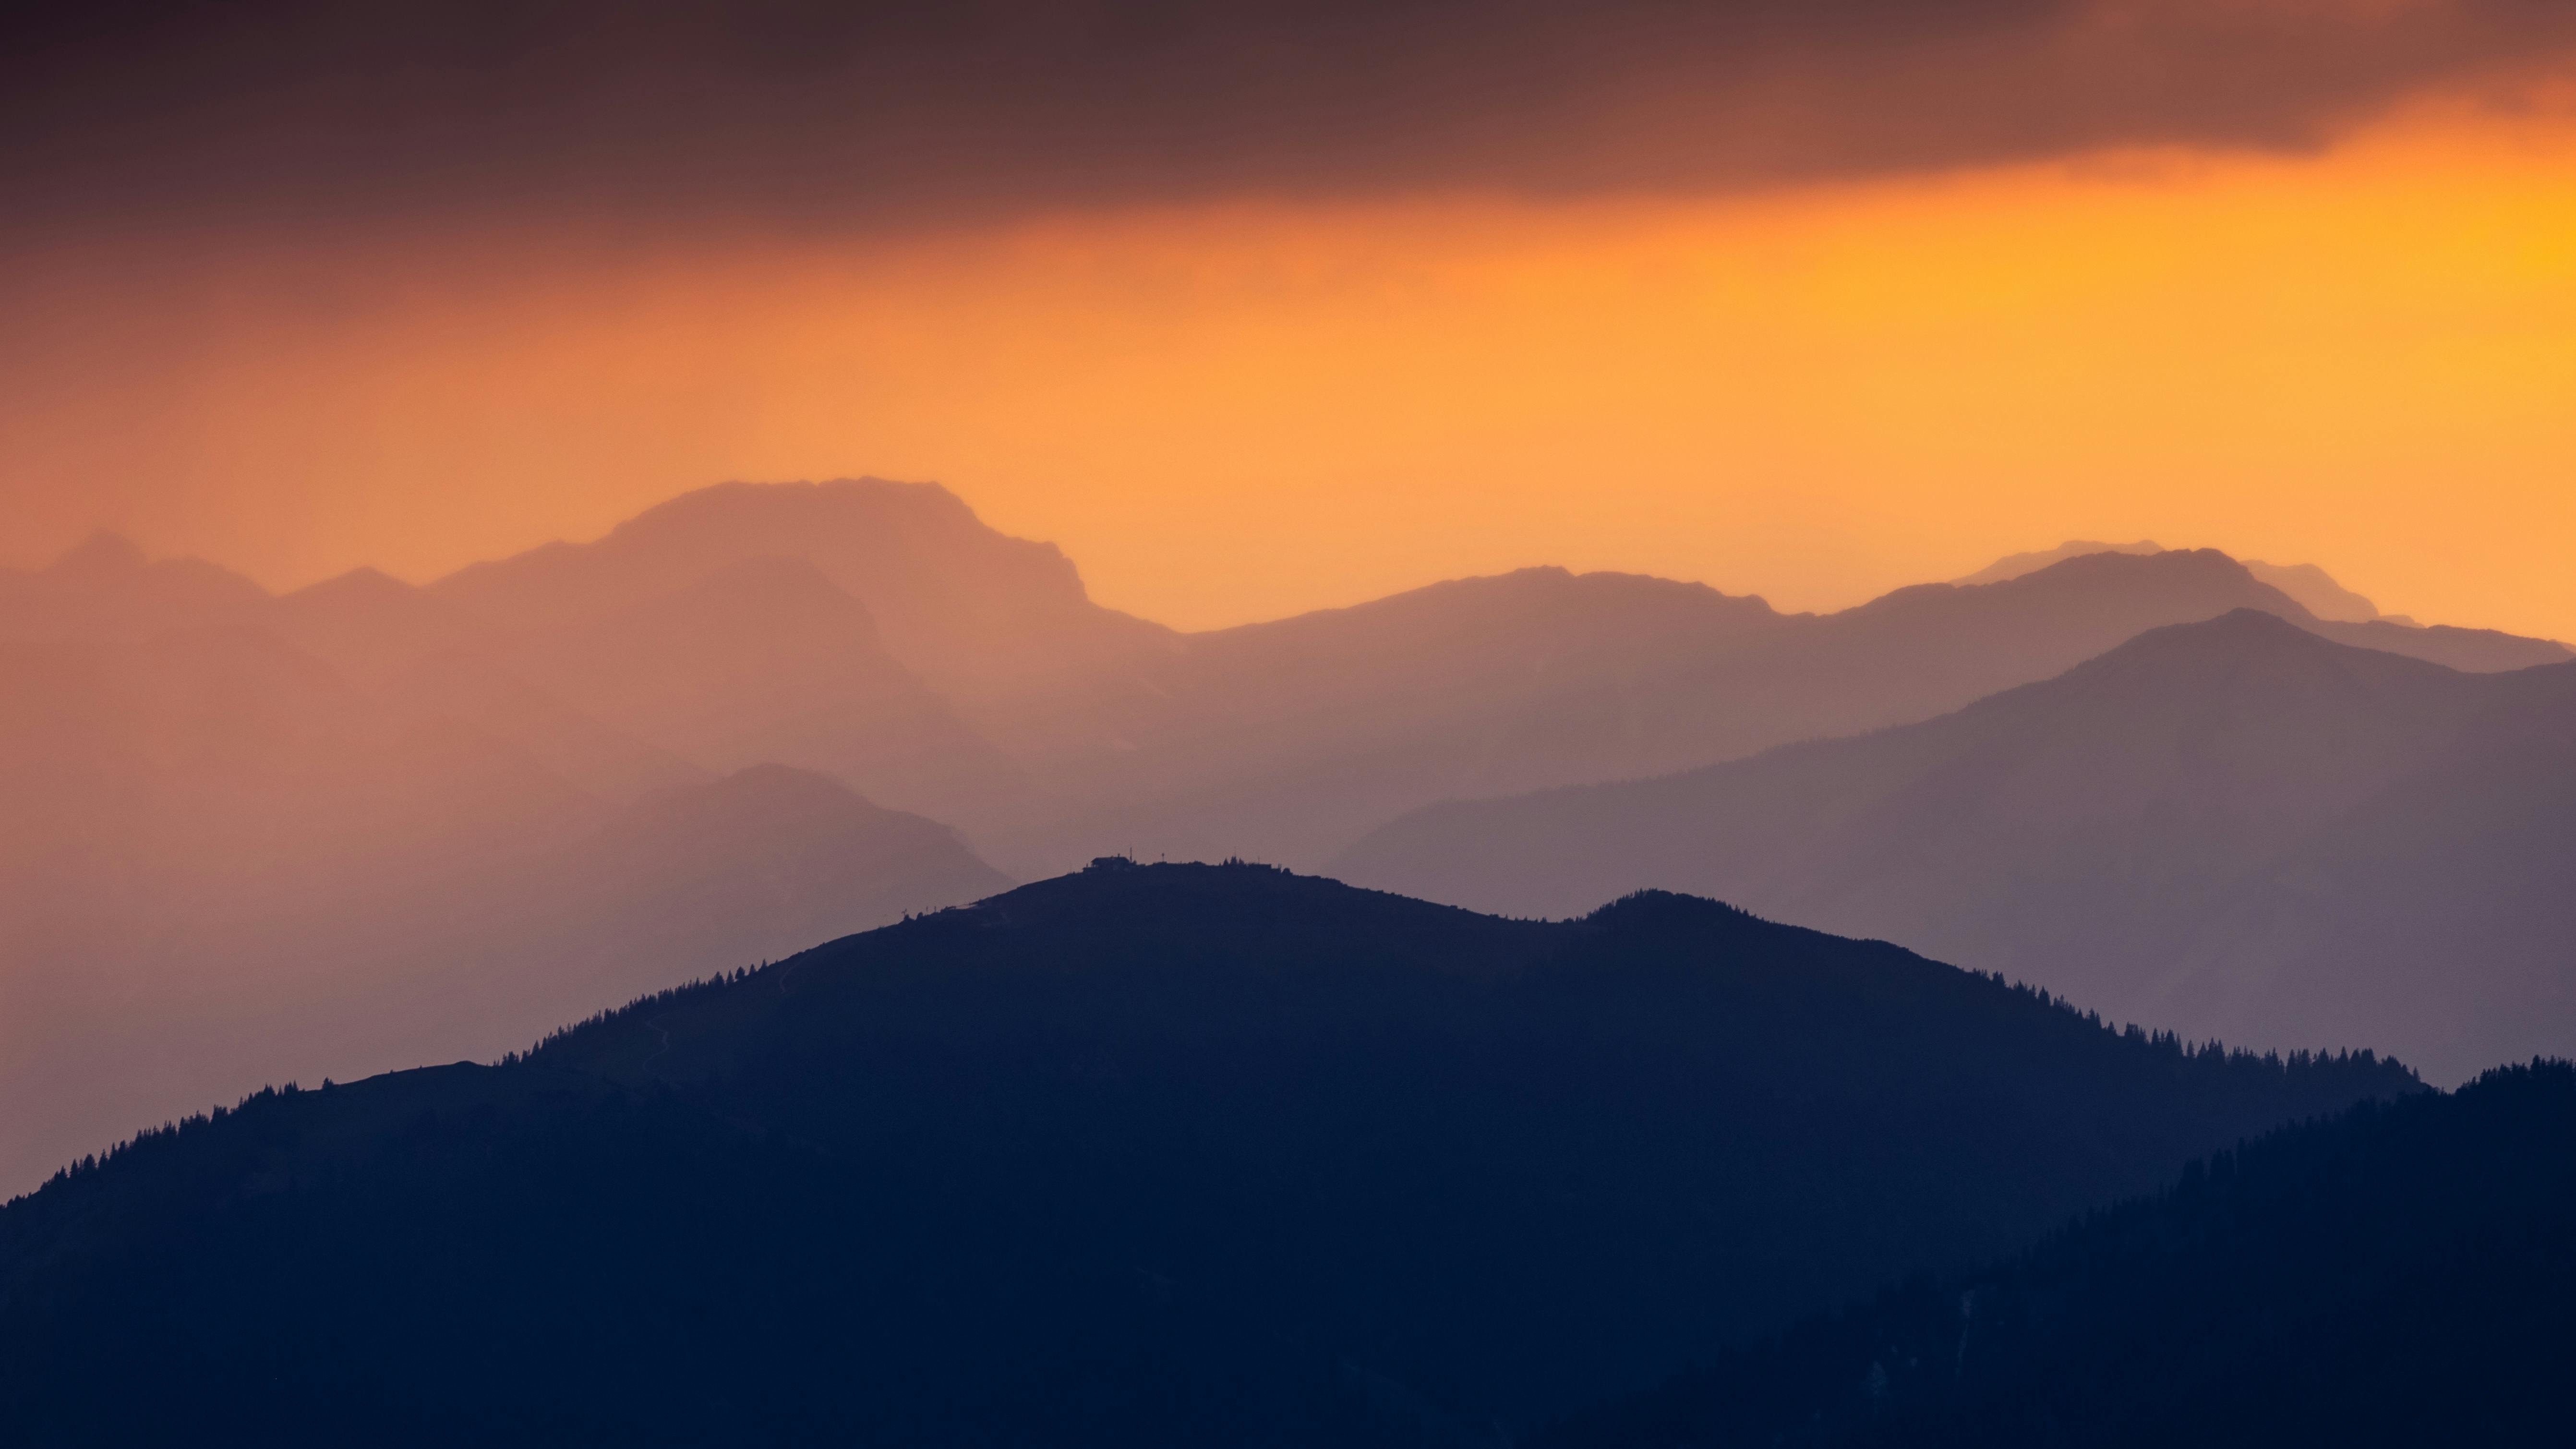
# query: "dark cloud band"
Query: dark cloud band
{"points": [[293, 113]]}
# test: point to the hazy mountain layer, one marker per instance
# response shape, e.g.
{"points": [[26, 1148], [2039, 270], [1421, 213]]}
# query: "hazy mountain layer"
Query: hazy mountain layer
{"points": [[1284, 740], [964, 607], [193, 760], [2234, 828], [226, 859], [406, 648], [881, 633], [110, 1027], [765, 661], [2014, 565], [1150, 1155], [1287, 740], [107, 589], [2399, 1276], [2313, 588], [2332, 605]]}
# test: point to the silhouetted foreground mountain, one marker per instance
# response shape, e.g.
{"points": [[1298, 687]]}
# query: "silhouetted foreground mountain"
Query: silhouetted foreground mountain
{"points": [[1151, 1155], [2400, 1276], [2235, 829]]}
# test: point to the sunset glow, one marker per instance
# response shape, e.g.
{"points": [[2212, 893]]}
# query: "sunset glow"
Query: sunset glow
{"points": [[1228, 412], [1332, 724]]}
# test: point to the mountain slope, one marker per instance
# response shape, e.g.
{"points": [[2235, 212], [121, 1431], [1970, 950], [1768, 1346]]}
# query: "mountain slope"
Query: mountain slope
{"points": [[2472, 651], [106, 589], [405, 648], [1285, 739], [689, 880], [1148, 1155], [2399, 1276], [2316, 591], [1290, 739], [2210, 827], [765, 661], [2330, 610]]}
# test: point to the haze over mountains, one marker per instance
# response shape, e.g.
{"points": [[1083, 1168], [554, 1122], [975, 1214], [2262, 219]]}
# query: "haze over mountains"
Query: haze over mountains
{"points": [[2234, 828], [1146, 1155], [1289, 739], [791, 964], [248, 809], [254, 837], [1189, 1154], [968, 609]]}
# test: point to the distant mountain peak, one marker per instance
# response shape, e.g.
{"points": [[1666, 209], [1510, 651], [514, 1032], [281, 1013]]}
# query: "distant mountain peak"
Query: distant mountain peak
{"points": [[790, 516], [957, 600], [364, 581], [104, 554], [2258, 622], [2245, 654], [1652, 909], [108, 584], [770, 784], [2013, 566], [2246, 623], [741, 498], [2311, 587]]}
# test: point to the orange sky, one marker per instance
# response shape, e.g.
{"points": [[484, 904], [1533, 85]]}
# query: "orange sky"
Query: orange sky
{"points": [[2364, 358]]}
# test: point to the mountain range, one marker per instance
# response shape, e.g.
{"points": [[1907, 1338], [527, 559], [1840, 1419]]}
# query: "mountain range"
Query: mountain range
{"points": [[2313, 588], [1156, 1154], [227, 799], [2234, 828], [1288, 740], [228, 859], [1144, 1155]]}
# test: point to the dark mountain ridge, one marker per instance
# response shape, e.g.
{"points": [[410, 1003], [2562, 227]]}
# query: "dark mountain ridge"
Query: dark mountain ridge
{"points": [[1148, 1155], [2397, 1276]]}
